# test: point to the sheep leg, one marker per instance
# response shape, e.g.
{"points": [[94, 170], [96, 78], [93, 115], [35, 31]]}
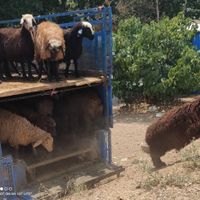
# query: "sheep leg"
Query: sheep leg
{"points": [[16, 151], [67, 68], [1, 73], [30, 75], [55, 69], [23, 71], [7, 71], [14, 66], [45, 67], [49, 70], [157, 162], [40, 66], [35, 152], [76, 68], [35, 67]]}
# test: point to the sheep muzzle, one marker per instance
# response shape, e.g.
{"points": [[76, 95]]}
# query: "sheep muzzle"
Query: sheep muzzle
{"points": [[54, 46], [48, 143]]}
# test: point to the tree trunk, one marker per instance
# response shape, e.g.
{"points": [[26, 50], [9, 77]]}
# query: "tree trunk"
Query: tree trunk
{"points": [[185, 7], [157, 10]]}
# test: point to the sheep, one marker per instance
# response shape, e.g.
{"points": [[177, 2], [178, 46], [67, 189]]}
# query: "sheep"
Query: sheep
{"points": [[17, 45], [44, 106], [49, 47], [16, 131], [73, 41], [43, 121], [78, 112], [174, 130]]}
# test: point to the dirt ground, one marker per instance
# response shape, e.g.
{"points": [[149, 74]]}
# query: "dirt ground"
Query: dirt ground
{"points": [[180, 180]]}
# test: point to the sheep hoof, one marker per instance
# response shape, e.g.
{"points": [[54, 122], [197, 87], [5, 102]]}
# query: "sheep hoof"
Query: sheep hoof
{"points": [[160, 164], [31, 78], [157, 162]]}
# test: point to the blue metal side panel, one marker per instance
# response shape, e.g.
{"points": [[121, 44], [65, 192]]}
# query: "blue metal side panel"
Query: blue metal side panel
{"points": [[110, 65], [104, 139], [196, 40]]}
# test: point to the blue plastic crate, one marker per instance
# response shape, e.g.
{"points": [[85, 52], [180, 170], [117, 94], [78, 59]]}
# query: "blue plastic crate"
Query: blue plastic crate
{"points": [[7, 179]]}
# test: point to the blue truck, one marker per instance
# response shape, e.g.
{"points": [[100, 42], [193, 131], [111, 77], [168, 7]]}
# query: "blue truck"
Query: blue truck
{"points": [[21, 179]]}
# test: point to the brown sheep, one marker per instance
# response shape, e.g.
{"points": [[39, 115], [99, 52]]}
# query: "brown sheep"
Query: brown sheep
{"points": [[43, 121], [16, 131], [174, 130], [44, 106], [78, 112], [49, 47], [16, 44]]}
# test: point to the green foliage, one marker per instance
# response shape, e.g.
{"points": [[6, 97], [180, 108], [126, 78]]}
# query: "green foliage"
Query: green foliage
{"points": [[143, 9], [193, 8], [10, 9], [156, 60]]}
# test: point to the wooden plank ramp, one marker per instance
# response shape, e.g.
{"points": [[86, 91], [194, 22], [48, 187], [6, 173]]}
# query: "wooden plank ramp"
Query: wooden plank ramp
{"points": [[14, 88], [82, 178]]}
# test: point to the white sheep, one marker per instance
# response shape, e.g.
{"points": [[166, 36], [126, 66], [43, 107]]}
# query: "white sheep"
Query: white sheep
{"points": [[16, 130]]}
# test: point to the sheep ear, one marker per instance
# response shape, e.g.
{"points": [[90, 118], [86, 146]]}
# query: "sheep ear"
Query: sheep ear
{"points": [[80, 32], [22, 20], [36, 144]]}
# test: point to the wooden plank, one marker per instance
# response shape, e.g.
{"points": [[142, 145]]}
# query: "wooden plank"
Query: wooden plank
{"points": [[16, 88], [53, 189], [56, 159], [55, 173], [91, 182]]}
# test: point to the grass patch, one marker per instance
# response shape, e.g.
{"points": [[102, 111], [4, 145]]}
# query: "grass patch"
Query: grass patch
{"points": [[145, 166], [162, 181], [191, 157]]}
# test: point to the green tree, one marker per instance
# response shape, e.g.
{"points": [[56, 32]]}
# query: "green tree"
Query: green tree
{"points": [[192, 8], [148, 59]]}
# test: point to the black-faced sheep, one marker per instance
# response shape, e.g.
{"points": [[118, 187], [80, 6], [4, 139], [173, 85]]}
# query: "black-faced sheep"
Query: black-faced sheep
{"points": [[17, 131], [49, 47], [174, 130], [73, 41], [16, 44]]}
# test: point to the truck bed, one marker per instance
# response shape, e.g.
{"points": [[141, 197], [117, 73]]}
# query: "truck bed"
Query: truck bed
{"points": [[13, 88]]}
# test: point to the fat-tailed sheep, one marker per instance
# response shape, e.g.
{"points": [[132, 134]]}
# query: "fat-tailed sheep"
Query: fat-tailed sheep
{"points": [[174, 130], [17, 131], [49, 47]]}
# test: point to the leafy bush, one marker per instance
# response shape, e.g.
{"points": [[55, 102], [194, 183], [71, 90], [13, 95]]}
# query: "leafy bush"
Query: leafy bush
{"points": [[156, 60]]}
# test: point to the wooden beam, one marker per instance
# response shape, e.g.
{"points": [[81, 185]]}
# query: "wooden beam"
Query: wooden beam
{"points": [[8, 89], [58, 158]]}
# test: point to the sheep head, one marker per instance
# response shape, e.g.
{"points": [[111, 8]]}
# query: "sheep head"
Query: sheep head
{"points": [[46, 142], [86, 30], [29, 23], [55, 47]]}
